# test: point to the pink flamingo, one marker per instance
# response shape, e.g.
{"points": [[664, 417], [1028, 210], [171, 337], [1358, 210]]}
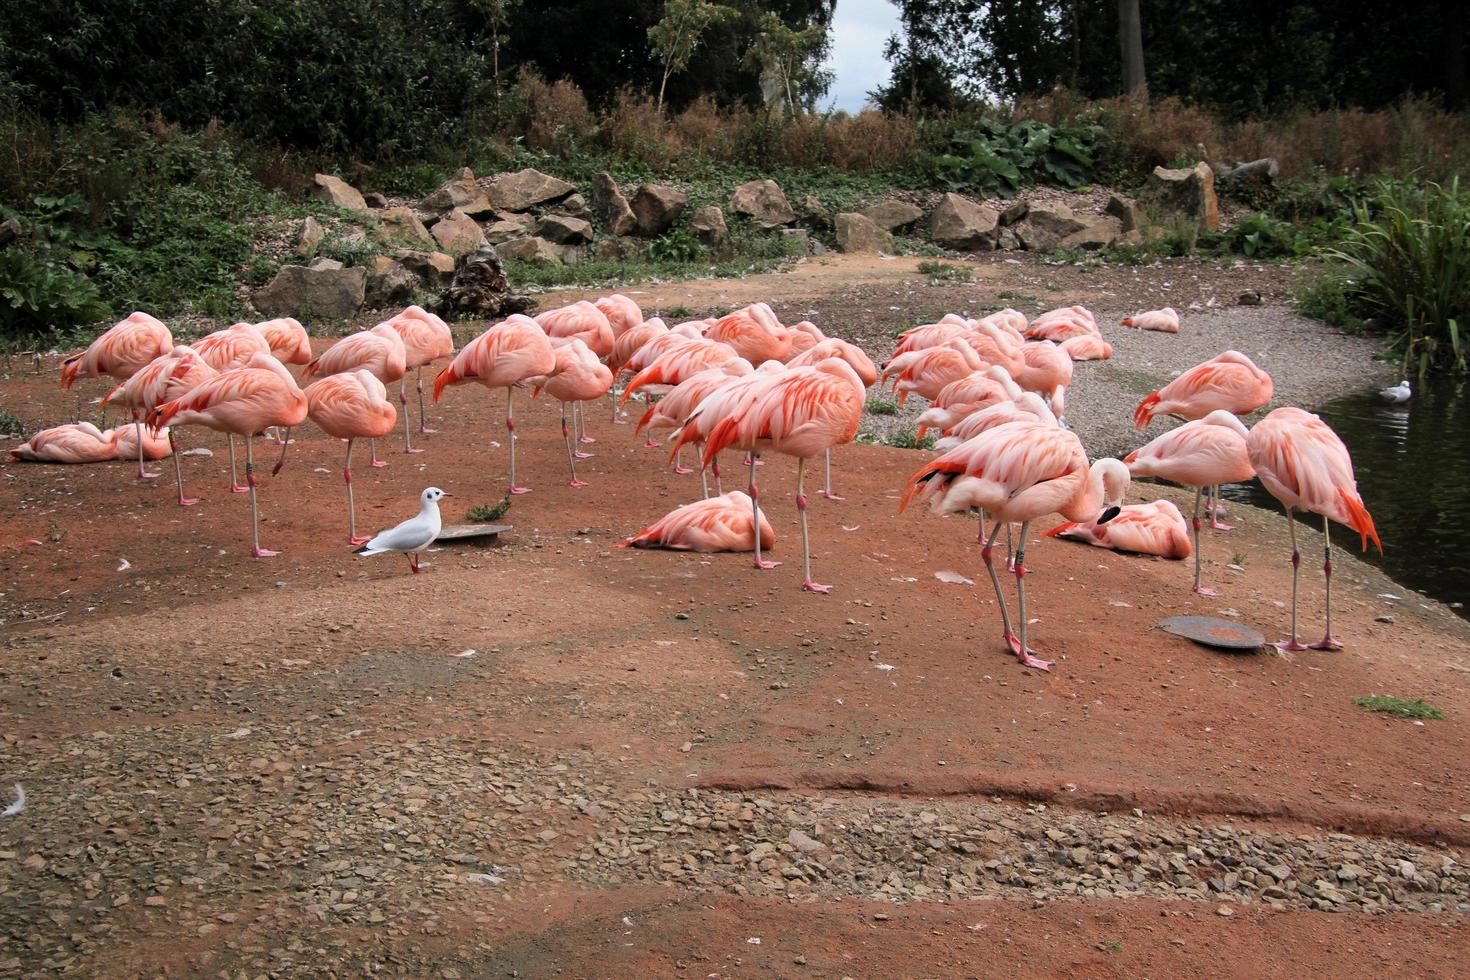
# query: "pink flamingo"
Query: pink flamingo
{"points": [[121, 352], [1200, 454], [1062, 324], [1231, 382], [925, 372], [723, 523], [1304, 465], [578, 376], [626, 346], [1145, 529], [126, 444], [352, 405], [508, 354], [165, 379], [804, 336], [754, 332], [675, 408], [426, 338], [972, 393], [589, 324], [623, 314], [1164, 321], [380, 350], [1018, 472], [225, 350], [856, 359], [1087, 347], [76, 442], [1048, 372], [800, 413], [241, 401], [670, 360], [287, 339]]}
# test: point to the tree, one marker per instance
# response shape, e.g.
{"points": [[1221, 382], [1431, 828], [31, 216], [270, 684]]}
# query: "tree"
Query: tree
{"points": [[497, 19], [790, 60], [677, 34], [1130, 34]]}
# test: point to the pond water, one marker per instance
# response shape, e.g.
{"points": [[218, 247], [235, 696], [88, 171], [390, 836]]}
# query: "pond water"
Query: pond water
{"points": [[1413, 468]]}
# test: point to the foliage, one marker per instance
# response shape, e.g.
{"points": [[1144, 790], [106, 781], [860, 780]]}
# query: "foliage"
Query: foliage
{"points": [[1405, 264], [790, 60], [677, 245], [999, 158], [1259, 236], [882, 406], [903, 439], [678, 32], [945, 272], [10, 425], [43, 286], [1400, 707], [486, 513]]}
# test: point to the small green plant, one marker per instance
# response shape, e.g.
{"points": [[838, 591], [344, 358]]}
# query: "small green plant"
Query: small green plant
{"points": [[10, 425], [882, 406], [945, 272], [1238, 559], [487, 513], [678, 245], [1011, 296], [907, 440], [678, 314], [1113, 946], [1399, 707]]}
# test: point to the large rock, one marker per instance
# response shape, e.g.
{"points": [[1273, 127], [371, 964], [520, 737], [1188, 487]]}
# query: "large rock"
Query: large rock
{"points": [[613, 250], [798, 240], [1097, 231], [858, 233], [401, 224], [961, 223], [435, 268], [460, 191], [1190, 192], [480, 289], [312, 234], [1129, 215], [656, 207], [389, 283], [564, 229], [893, 215], [457, 233], [511, 226], [708, 225], [537, 251], [335, 190], [611, 207], [527, 188], [764, 202], [304, 293], [1047, 225]]}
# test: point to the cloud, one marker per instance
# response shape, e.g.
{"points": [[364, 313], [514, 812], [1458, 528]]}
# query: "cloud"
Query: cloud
{"points": [[859, 28]]}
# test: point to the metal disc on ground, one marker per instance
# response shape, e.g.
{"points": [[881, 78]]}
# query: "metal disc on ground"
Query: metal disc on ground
{"points": [[1212, 631], [471, 532]]}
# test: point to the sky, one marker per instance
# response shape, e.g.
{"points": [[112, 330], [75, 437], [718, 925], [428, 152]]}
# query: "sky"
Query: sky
{"points": [[859, 28]]}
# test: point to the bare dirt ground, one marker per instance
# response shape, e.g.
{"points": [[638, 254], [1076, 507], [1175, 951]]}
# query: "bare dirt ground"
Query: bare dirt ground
{"points": [[663, 764]]}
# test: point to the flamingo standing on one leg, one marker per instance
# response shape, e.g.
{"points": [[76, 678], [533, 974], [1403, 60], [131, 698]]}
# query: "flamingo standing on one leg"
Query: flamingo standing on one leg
{"points": [[287, 338], [225, 350], [504, 356], [856, 359], [426, 338], [1199, 454], [674, 409], [588, 323], [241, 401], [1019, 472], [800, 413], [352, 405], [162, 380], [380, 350], [1304, 465], [122, 351], [577, 377]]}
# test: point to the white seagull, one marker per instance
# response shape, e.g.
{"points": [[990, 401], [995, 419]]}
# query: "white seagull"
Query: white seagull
{"points": [[1398, 394], [414, 534]]}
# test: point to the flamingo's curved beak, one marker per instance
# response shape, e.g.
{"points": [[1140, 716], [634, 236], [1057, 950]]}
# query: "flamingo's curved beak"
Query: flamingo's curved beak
{"points": [[1109, 514]]}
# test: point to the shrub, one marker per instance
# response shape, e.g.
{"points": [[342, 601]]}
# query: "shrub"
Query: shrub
{"points": [[1400, 707], [38, 296], [945, 272], [999, 158]]}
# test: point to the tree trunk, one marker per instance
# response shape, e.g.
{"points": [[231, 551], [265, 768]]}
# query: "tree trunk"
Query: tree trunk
{"points": [[1130, 32], [668, 68], [1453, 24]]}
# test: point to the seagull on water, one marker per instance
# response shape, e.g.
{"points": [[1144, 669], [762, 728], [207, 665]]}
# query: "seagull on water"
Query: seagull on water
{"points": [[414, 534], [1398, 394]]}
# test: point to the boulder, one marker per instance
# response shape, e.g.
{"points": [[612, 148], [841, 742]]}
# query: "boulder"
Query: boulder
{"points": [[612, 250], [527, 188], [321, 262], [764, 202], [798, 240], [893, 215], [457, 233], [1007, 240], [858, 233], [961, 223], [335, 190], [11, 231], [1046, 226], [401, 224], [389, 283], [656, 206], [564, 229], [1190, 192], [708, 225], [1014, 213], [305, 293], [480, 289], [460, 191], [610, 206], [511, 226], [434, 268], [1097, 231], [576, 206], [1129, 216], [537, 251], [312, 234], [375, 201]]}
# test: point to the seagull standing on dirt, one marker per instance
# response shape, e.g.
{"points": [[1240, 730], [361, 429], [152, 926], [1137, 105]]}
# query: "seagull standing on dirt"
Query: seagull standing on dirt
{"points": [[414, 534], [1398, 394]]}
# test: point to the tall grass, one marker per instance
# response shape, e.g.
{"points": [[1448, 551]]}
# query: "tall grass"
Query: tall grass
{"points": [[1405, 263]]}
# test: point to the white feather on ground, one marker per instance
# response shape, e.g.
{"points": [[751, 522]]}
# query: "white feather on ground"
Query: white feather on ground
{"points": [[18, 805]]}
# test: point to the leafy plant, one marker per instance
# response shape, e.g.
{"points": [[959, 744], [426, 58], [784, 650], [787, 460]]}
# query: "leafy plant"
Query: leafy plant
{"points": [[997, 158], [677, 245], [486, 513], [39, 295], [945, 272], [1400, 707], [882, 406], [10, 424], [907, 440]]}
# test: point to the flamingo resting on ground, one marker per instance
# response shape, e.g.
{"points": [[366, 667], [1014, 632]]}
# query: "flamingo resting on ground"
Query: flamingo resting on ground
{"points": [[241, 401], [1164, 321], [1018, 472], [76, 442], [352, 405], [1204, 453], [723, 523], [508, 354], [1145, 529], [1304, 465]]}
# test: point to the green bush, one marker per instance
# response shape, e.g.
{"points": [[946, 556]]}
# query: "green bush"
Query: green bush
{"points": [[677, 245], [40, 296], [1405, 264], [999, 158]]}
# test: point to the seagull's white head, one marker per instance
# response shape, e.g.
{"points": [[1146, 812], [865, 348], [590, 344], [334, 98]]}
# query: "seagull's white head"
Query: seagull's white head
{"points": [[432, 495]]}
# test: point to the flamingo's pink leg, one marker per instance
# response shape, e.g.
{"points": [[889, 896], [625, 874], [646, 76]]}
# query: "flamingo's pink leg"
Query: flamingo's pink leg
{"points": [[1022, 651], [403, 404], [806, 548], [1328, 641], [423, 418], [235, 485], [827, 482], [510, 428], [173, 447], [1199, 589], [1292, 644], [755, 509], [571, 457], [352, 534], [255, 548]]}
